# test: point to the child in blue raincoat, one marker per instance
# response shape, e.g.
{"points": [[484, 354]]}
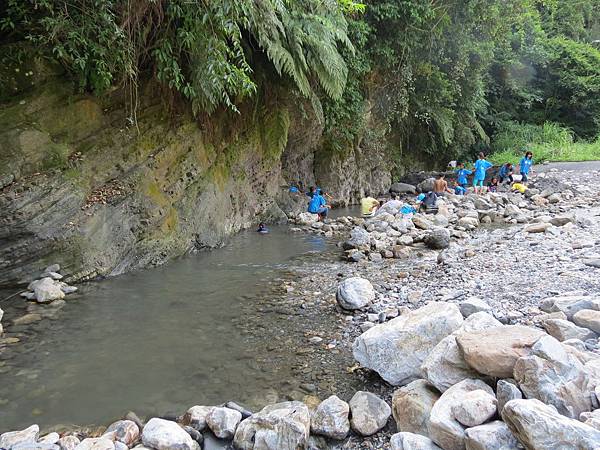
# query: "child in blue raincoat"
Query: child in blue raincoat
{"points": [[481, 166]]}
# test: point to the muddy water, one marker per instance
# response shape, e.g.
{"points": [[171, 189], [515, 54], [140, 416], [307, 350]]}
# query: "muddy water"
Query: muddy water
{"points": [[158, 340]]}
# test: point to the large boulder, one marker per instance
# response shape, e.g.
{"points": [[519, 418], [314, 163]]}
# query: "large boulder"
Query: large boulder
{"points": [[282, 426], [475, 408], [411, 406], [369, 413], [445, 365], [540, 427], [223, 421], [410, 441], [491, 436], [564, 330], [196, 417], [444, 429], [306, 218], [426, 185], [163, 434], [125, 431], [495, 351], [330, 419], [551, 374], [11, 439], [396, 349], [359, 238], [355, 293], [403, 188], [588, 318], [438, 238]]}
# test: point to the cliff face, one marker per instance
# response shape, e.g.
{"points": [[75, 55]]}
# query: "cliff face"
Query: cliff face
{"points": [[81, 186]]}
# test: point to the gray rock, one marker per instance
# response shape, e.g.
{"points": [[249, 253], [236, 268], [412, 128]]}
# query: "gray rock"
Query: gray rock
{"points": [[46, 290], [359, 238], [491, 436], [570, 304], [396, 349], [11, 438], [126, 431], [403, 188], [36, 446], [537, 227], [559, 221], [163, 434], [50, 438], [421, 222], [475, 408], [554, 376], [68, 442], [411, 406], [444, 429], [505, 392], [540, 427], [52, 268], [306, 218], [369, 413], [438, 238], [410, 441], [588, 318], [563, 330], [355, 293], [473, 305], [223, 421], [469, 223], [426, 185], [330, 419], [101, 443], [592, 262], [196, 417], [282, 426], [495, 351]]}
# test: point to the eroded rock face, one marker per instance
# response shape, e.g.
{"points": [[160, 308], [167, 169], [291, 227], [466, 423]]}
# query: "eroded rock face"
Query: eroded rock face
{"points": [[282, 426], [396, 349], [330, 419], [444, 429], [369, 413], [355, 293], [495, 351], [411, 406], [163, 434], [541, 427]]}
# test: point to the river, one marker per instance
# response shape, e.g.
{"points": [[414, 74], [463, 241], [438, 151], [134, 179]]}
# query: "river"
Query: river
{"points": [[158, 340]]}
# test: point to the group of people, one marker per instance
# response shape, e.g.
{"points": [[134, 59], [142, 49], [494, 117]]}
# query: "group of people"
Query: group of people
{"points": [[479, 172]]}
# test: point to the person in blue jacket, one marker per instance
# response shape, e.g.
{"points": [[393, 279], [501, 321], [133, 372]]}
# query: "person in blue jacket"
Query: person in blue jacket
{"points": [[481, 166], [462, 174], [318, 205], [525, 166], [506, 173]]}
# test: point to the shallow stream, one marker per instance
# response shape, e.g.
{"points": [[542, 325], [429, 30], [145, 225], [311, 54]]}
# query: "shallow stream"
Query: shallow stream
{"points": [[158, 340]]}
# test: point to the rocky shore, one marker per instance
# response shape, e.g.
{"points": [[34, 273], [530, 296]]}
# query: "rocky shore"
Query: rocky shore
{"points": [[473, 328]]}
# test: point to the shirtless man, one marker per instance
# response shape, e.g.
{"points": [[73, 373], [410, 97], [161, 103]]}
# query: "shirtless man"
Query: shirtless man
{"points": [[440, 186]]}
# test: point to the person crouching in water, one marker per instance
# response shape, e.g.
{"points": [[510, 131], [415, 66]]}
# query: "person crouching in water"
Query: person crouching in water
{"points": [[262, 228], [318, 205], [368, 205]]}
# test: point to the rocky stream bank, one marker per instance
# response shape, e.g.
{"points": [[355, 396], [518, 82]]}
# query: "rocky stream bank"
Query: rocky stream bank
{"points": [[474, 328]]}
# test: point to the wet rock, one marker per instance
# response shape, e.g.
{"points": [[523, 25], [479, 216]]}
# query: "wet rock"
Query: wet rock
{"points": [[330, 419], [196, 417], [68, 442], [505, 392], [589, 319], [495, 351], [100, 443], [163, 434], [27, 319], [411, 406], [369, 413], [396, 349], [491, 436], [12, 438], [554, 376], [126, 431], [282, 426], [223, 421], [410, 441], [563, 330], [540, 427], [355, 293], [473, 305], [475, 408], [444, 429], [47, 290], [438, 239]]}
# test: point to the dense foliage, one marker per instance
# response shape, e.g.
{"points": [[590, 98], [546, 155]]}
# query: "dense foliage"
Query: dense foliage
{"points": [[433, 76]]}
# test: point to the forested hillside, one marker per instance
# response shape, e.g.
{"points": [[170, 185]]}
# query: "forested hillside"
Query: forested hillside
{"points": [[447, 75]]}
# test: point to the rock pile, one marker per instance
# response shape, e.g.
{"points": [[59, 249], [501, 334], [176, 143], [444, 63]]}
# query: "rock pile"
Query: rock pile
{"points": [[48, 287]]}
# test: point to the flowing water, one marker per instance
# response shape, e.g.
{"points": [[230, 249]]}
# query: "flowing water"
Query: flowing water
{"points": [[157, 340]]}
